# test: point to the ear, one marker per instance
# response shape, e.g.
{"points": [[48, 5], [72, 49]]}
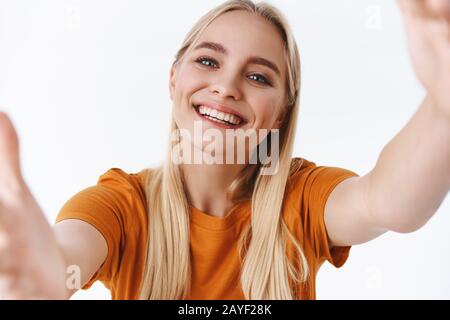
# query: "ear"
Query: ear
{"points": [[172, 82]]}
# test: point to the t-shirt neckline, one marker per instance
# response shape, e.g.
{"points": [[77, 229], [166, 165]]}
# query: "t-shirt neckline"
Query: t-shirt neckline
{"points": [[207, 221]]}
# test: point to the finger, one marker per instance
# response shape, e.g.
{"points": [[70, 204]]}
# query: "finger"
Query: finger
{"points": [[426, 8], [440, 8], [9, 146], [9, 152], [413, 7]]}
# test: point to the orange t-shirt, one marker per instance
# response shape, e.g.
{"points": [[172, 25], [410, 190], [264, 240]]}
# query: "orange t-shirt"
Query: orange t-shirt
{"points": [[116, 207]]}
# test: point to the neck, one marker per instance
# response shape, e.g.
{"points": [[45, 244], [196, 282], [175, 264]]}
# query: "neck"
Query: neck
{"points": [[206, 186]]}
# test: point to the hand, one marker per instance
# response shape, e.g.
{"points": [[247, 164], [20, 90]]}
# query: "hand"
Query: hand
{"points": [[427, 25], [31, 264]]}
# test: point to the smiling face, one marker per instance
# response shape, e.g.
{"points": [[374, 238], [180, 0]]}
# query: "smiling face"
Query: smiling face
{"points": [[236, 72]]}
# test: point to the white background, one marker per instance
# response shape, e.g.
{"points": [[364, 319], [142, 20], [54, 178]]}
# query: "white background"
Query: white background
{"points": [[85, 83]]}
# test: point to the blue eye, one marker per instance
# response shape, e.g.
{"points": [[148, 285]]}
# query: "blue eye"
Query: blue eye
{"points": [[202, 61], [264, 80], [212, 63]]}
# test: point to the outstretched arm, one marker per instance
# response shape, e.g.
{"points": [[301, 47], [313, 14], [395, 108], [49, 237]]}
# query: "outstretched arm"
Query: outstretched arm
{"points": [[34, 258], [412, 175]]}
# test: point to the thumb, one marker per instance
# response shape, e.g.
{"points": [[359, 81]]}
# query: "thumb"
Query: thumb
{"points": [[426, 8], [440, 8], [413, 7], [9, 151]]}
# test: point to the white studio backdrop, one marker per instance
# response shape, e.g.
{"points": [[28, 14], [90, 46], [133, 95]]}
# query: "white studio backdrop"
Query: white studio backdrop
{"points": [[86, 84]]}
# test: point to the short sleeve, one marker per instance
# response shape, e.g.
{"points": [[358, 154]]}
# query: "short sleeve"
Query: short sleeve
{"points": [[317, 183], [104, 206]]}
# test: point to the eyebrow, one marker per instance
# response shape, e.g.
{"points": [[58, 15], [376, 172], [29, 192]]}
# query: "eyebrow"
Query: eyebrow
{"points": [[251, 60]]}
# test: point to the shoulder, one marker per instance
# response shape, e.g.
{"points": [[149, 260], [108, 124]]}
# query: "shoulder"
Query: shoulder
{"points": [[308, 188], [309, 185], [125, 193], [125, 182], [305, 174], [299, 171]]}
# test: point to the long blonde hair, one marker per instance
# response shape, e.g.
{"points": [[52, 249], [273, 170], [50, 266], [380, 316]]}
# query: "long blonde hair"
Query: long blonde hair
{"points": [[267, 272]]}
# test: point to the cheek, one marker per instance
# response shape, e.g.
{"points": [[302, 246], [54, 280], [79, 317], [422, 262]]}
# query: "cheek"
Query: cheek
{"points": [[265, 110], [186, 84], [189, 79]]}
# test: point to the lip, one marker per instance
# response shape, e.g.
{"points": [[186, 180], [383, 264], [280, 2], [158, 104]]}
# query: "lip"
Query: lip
{"points": [[218, 124], [222, 108]]}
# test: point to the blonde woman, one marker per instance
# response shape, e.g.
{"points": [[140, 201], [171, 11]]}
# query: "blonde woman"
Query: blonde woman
{"points": [[239, 229]]}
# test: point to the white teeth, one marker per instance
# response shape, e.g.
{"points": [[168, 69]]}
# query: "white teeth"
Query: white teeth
{"points": [[203, 110], [221, 116], [214, 114]]}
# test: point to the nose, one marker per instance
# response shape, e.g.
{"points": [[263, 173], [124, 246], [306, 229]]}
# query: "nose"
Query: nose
{"points": [[226, 87]]}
